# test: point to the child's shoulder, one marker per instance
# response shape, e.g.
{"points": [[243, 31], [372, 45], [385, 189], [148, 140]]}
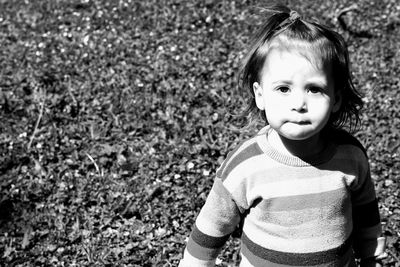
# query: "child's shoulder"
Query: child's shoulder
{"points": [[344, 138], [242, 152]]}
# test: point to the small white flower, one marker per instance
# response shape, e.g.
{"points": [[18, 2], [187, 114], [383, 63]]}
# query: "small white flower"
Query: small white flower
{"points": [[85, 39], [190, 165]]}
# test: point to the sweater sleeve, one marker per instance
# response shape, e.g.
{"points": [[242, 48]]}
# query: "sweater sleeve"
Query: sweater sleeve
{"points": [[214, 224], [366, 219]]}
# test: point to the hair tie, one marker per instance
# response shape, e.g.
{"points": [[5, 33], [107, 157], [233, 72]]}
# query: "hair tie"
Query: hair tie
{"points": [[293, 16]]}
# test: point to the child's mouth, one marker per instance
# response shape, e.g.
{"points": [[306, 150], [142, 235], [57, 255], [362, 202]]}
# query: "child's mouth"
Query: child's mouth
{"points": [[301, 122]]}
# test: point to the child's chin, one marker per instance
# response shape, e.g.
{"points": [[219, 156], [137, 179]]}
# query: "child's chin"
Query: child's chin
{"points": [[300, 135]]}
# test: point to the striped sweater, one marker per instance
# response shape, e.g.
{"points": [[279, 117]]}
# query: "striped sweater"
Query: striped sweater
{"points": [[319, 211]]}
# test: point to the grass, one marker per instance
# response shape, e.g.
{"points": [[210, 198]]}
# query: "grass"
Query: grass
{"points": [[115, 116]]}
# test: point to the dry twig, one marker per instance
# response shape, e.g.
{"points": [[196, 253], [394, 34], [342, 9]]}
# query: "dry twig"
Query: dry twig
{"points": [[43, 96]]}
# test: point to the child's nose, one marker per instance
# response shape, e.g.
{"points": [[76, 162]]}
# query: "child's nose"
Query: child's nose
{"points": [[298, 102]]}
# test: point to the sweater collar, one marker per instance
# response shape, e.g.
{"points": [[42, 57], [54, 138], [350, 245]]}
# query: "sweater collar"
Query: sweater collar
{"points": [[317, 159]]}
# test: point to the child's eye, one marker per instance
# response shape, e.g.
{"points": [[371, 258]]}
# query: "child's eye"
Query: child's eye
{"points": [[283, 89], [315, 89]]}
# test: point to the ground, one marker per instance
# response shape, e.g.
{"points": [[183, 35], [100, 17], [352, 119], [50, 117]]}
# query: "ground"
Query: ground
{"points": [[115, 116]]}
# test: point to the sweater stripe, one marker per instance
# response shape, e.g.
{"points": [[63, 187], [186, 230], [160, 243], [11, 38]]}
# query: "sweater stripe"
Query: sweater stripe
{"points": [[249, 149], [298, 187], [207, 241], [269, 182], [227, 214], [255, 251], [366, 215], [368, 233], [251, 260], [359, 197], [298, 233], [301, 202], [231, 154], [201, 252]]}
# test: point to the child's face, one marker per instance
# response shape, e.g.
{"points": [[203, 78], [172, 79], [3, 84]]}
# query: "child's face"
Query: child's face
{"points": [[297, 95]]}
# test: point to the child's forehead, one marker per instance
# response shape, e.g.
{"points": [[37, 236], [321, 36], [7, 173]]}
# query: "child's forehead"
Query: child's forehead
{"points": [[312, 51]]}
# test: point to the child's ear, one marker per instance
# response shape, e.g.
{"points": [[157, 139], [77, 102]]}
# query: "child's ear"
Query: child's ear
{"points": [[338, 102], [258, 96]]}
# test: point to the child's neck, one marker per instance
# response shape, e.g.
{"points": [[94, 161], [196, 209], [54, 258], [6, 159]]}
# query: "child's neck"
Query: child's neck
{"points": [[298, 148]]}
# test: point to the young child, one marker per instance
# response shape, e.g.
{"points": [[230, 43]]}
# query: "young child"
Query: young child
{"points": [[300, 190]]}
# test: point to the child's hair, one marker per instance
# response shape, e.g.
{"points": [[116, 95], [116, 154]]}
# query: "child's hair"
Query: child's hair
{"points": [[285, 29]]}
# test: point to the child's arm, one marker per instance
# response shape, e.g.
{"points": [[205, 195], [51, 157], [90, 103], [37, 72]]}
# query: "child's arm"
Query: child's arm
{"points": [[371, 262], [369, 246], [214, 224]]}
